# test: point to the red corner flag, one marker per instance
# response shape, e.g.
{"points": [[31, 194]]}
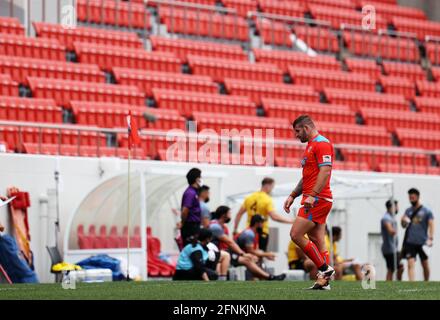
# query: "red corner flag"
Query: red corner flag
{"points": [[133, 135]]}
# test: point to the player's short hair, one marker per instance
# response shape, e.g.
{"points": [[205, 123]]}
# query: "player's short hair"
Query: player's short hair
{"points": [[266, 181], [303, 120], [336, 231], [220, 212], [204, 234], [414, 191], [203, 188], [193, 174], [256, 219], [389, 204]]}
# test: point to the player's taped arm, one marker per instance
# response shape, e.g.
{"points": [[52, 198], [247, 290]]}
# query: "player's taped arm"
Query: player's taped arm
{"points": [[238, 217], [321, 180]]}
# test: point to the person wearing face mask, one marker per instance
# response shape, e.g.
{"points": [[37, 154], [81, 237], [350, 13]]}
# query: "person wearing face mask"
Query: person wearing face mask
{"points": [[248, 239], [221, 238], [205, 212], [260, 202], [190, 208], [419, 223], [388, 227]]}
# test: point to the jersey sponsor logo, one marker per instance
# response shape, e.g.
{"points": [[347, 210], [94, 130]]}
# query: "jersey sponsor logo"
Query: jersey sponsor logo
{"points": [[327, 158]]}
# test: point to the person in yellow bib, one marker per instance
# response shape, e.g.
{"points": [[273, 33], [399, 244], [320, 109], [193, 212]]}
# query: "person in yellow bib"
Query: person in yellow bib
{"points": [[260, 202]]}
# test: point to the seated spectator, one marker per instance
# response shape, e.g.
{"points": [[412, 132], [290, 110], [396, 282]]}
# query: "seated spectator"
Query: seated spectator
{"points": [[342, 265], [221, 238], [299, 261], [249, 239], [191, 264]]}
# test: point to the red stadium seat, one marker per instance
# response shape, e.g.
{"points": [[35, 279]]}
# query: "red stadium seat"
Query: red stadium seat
{"points": [[416, 138], [391, 156], [333, 79], [428, 104], [318, 38], [27, 109], [256, 90], [19, 68], [433, 51], [357, 99], [355, 134], [8, 87], [118, 13], [409, 169], [241, 6], [84, 241], [186, 102], [352, 166], [10, 25], [68, 36], [407, 70], [436, 73], [183, 47], [318, 111], [398, 85], [419, 27], [19, 46], [219, 69], [343, 4], [63, 91], [369, 44], [428, 89], [146, 81], [203, 23], [402, 119], [365, 66], [338, 16], [284, 59], [285, 8], [107, 57], [274, 33]]}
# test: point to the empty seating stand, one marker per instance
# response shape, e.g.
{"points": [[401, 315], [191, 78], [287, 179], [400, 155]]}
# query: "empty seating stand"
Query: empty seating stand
{"points": [[69, 135], [407, 70], [416, 138], [219, 69], [241, 6], [388, 11], [409, 169], [63, 91], [19, 46], [318, 38], [8, 87], [68, 36], [205, 23], [285, 8], [116, 13], [402, 119], [398, 85], [320, 112], [428, 88], [369, 44], [427, 104], [284, 59], [274, 33], [19, 68], [11, 26], [183, 47], [187, 102], [357, 99], [256, 90], [106, 57], [419, 27], [26, 109], [355, 134], [146, 81], [365, 66], [334, 79]]}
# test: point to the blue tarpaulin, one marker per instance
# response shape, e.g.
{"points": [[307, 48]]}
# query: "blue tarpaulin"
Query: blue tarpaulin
{"points": [[103, 261], [13, 262]]}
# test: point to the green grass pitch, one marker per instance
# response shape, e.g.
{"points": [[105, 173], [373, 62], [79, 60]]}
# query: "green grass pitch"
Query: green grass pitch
{"points": [[259, 290]]}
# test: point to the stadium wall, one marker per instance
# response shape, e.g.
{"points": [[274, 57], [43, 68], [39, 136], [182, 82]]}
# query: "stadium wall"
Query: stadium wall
{"points": [[78, 176]]}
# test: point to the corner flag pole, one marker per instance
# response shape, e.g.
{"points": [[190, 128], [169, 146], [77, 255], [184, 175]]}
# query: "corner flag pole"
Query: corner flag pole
{"points": [[128, 212]]}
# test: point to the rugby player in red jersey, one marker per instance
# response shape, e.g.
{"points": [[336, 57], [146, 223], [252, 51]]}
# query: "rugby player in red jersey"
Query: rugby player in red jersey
{"points": [[316, 199]]}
